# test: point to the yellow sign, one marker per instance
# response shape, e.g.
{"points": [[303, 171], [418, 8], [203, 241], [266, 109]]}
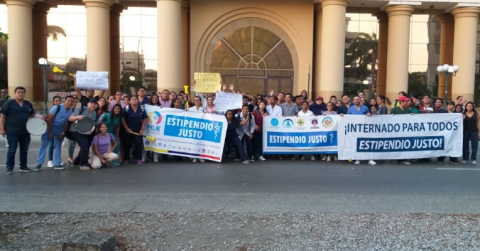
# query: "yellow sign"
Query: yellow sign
{"points": [[207, 82]]}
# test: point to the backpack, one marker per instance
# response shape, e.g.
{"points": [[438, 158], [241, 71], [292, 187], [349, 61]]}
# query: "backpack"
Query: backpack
{"points": [[9, 102]]}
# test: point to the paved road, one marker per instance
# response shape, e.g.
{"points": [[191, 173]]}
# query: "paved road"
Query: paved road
{"points": [[271, 186]]}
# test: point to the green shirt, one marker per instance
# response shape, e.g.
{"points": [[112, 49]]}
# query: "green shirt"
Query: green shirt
{"points": [[398, 110], [111, 123], [414, 110]]}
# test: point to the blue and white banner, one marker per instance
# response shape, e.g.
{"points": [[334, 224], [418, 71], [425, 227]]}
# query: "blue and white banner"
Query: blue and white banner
{"points": [[188, 134], [400, 136], [300, 135]]}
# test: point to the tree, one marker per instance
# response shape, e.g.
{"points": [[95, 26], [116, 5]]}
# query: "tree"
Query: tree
{"points": [[363, 49], [3, 35], [54, 31]]}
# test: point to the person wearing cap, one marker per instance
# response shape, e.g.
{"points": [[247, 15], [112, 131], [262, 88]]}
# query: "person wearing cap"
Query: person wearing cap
{"points": [[358, 109], [3, 97], [83, 140], [89, 94], [319, 107]]}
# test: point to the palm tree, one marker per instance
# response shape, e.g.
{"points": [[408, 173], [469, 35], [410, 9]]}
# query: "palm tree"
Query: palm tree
{"points": [[363, 50], [54, 31]]}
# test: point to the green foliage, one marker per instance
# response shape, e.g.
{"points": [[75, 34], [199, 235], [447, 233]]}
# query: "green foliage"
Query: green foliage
{"points": [[417, 83], [3, 35]]}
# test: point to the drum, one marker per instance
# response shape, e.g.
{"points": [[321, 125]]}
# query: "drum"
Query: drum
{"points": [[36, 126], [85, 125]]}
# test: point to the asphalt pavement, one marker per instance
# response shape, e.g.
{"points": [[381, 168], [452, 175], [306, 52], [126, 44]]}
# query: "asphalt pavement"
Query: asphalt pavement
{"points": [[270, 186]]}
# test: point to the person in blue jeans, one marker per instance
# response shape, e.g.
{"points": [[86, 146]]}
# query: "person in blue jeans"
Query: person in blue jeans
{"points": [[232, 135], [56, 122], [471, 134], [13, 124], [56, 101]]}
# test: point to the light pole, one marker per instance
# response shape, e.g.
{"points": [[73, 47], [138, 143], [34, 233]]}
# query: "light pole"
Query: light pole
{"points": [[43, 64], [447, 71]]}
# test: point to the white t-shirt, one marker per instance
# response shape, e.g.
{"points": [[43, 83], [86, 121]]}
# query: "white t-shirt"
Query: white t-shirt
{"points": [[305, 114], [194, 109], [276, 111]]}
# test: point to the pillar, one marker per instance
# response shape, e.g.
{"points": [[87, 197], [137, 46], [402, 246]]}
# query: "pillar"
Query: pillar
{"points": [[382, 53], [446, 50], [185, 44], [317, 49], [332, 51], [115, 47], [98, 32], [464, 47], [398, 49], [20, 55], [39, 49], [169, 49]]}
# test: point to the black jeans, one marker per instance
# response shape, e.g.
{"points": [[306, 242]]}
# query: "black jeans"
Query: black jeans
{"points": [[14, 140], [258, 144], [467, 137], [83, 142], [238, 145], [128, 140]]}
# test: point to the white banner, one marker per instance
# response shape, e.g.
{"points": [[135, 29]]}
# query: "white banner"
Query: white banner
{"points": [[225, 101], [300, 135], [400, 136], [92, 80], [188, 134]]}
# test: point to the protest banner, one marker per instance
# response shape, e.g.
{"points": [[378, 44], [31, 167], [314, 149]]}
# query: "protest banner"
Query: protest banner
{"points": [[187, 134], [207, 82], [225, 101], [300, 135], [400, 136], [92, 80]]}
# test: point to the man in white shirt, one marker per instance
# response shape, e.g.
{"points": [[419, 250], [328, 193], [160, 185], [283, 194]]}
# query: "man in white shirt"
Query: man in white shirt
{"points": [[197, 108], [273, 109], [305, 112]]}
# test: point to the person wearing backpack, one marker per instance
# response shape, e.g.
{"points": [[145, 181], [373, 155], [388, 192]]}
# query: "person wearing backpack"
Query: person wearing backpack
{"points": [[13, 124], [57, 123], [56, 101]]}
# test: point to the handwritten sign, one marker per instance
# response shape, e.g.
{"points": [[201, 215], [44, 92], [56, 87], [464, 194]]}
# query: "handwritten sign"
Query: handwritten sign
{"points": [[225, 101], [92, 80], [207, 82]]}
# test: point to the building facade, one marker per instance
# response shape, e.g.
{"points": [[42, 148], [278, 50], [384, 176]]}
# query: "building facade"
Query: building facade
{"points": [[327, 47]]}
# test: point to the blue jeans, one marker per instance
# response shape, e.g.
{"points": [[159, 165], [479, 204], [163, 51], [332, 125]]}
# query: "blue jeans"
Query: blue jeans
{"points": [[13, 141], [238, 145], [70, 147], [51, 146], [45, 143], [467, 137]]}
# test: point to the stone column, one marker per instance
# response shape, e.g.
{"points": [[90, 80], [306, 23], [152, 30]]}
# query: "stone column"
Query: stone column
{"points": [[115, 47], [398, 49], [185, 44], [446, 50], [169, 45], [332, 52], [382, 53], [318, 47], [39, 49], [20, 53], [98, 33], [464, 48]]}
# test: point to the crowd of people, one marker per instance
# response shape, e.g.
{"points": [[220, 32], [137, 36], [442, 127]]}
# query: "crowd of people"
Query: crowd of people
{"points": [[121, 120]]}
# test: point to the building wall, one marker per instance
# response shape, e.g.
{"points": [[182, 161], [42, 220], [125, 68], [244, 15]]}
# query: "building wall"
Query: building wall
{"points": [[295, 17]]}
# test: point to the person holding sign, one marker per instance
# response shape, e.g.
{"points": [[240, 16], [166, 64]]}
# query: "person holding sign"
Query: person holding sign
{"points": [[197, 108], [134, 119], [402, 109], [89, 94], [358, 109], [232, 135]]}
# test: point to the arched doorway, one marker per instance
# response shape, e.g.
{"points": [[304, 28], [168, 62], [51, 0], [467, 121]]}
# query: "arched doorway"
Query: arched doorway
{"points": [[253, 57]]}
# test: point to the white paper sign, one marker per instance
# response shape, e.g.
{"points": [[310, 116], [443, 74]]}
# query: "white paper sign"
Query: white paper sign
{"points": [[225, 101], [400, 136], [92, 80]]}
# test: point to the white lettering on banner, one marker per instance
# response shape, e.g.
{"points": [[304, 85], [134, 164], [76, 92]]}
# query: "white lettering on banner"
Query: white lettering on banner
{"points": [[225, 101], [90, 80], [391, 137], [188, 134], [300, 135]]}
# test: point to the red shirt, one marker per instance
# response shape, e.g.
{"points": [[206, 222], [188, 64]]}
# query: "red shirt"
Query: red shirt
{"points": [[258, 120]]}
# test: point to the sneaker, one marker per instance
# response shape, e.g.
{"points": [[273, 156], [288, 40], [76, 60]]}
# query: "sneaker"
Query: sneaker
{"points": [[155, 160], [405, 162], [313, 158], [474, 162], [253, 159], [246, 162], [37, 168], [357, 162], [8, 172], [25, 170], [335, 157], [50, 164], [372, 163], [84, 168], [194, 160], [59, 168], [139, 162], [202, 160], [115, 163], [464, 162], [63, 163], [261, 158], [453, 162], [324, 157], [440, 163], [328, 158], [237, 160], [302, 158], [395, 162]]}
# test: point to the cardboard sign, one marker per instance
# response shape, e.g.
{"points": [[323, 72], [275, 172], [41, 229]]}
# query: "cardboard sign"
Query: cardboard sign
{"points": [[207, 82], [225, 101], [92, 80]]}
